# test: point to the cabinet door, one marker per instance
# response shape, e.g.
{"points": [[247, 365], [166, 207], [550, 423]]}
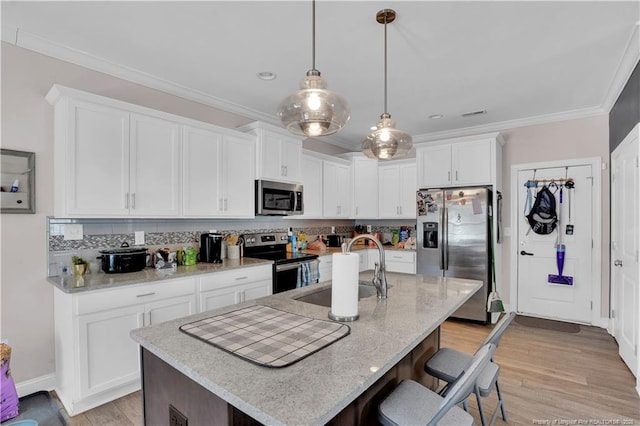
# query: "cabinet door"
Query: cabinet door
{"points": [[312, 184], [257, 289], [155, 167], [108, 356], [238, 169], [336, 190], [291, 153], [388, 183], [472, 162], [271, 166], [169, 309], [219, 298], [201, 182], [365, 189], [364, 260], [435, 166], [407, 191], [97, 175]]}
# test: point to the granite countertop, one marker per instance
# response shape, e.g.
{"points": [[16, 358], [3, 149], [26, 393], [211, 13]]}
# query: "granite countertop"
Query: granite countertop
{"points": [[321, 385], [99, 281]]}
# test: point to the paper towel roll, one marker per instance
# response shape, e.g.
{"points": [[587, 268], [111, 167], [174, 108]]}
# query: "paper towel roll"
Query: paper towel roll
{"points": [[344, 285]]}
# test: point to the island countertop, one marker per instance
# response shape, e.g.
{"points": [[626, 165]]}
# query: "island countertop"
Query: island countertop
{"points": [[317, 388]]}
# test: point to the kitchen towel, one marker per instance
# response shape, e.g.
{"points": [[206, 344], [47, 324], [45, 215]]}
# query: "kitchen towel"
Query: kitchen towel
{"points": [[266, 336], [308, 273], [344, 285]]}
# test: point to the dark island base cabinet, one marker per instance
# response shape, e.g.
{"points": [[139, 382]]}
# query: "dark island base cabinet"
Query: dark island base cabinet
{"points": [[163, 386]]}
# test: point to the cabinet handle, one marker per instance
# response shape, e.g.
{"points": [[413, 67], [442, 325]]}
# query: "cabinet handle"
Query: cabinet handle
{"points": [[126, 200], [226, 204], [448, 176], [146, 294], [148, 318], [133, 200], [282, 171], [141, 319], [286, 170], [356, 210], [456, 175], [220, 204], [241, 278], [400, 210]]}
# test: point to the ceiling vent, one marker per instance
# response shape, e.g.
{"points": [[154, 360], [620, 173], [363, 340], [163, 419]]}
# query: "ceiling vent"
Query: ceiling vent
{"points": [[472, 113]]}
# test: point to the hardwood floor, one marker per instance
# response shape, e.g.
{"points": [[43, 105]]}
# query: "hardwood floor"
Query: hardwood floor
{"points": [[547, 377]]}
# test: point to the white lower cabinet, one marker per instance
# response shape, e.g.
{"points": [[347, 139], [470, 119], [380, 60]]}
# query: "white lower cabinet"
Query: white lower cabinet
{"points": [[236, 286], [363, 257], [96, 360], [325, 267]]}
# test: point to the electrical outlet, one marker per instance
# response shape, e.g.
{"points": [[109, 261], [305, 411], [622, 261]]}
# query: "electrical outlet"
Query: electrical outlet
{"points": [[369, 228], [139, 238], [176, 418], [333, 229]]}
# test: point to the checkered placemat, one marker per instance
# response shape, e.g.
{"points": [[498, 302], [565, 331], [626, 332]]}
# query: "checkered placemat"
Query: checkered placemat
{"points": [[266, 336]]}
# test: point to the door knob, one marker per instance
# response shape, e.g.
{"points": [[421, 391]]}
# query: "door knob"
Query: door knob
{"points": [[524, 253], [617, 262]]}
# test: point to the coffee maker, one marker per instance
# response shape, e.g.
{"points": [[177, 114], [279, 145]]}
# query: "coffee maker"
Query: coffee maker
{"points": [[211, 248]]}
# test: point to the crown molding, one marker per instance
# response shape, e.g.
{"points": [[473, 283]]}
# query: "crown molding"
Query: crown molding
{"points": [[626, 66], [510, 124], [46, 47]]}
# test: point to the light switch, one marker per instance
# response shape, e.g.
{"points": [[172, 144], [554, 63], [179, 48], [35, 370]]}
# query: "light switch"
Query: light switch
{"points": [[73, 231], [139, 238]]}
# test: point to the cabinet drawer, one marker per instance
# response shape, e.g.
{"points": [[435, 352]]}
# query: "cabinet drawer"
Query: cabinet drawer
{"points": [[235, 277], [131, 295], [406, 268], [398, 256]]}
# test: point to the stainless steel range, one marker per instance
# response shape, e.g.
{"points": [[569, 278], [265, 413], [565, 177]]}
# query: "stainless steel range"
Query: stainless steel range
{"points": [[273, 246]]}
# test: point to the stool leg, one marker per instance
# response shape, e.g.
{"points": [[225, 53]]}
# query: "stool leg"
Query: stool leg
{"points": [[464, 405], [480, 408], [504, 413]]}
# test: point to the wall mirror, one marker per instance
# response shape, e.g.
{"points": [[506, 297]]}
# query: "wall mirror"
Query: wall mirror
{"points": [[17, 181]]}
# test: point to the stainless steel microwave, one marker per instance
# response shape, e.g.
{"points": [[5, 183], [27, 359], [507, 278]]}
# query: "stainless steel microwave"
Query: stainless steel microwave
{"points": [[278, 198]]}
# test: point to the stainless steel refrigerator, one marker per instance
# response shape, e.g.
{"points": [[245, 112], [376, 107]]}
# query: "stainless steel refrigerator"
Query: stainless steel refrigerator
{"points": [[454, 241]]}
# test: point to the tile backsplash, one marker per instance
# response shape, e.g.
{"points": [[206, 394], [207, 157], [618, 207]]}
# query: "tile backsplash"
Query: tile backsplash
{"points": [[101, 234]]}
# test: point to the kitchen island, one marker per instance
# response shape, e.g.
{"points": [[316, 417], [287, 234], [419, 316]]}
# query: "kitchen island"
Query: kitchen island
{"points": [[342, 383]]}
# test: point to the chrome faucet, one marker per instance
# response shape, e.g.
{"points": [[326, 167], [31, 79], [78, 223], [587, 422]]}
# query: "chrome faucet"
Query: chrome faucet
{"points": [[379, 275]]}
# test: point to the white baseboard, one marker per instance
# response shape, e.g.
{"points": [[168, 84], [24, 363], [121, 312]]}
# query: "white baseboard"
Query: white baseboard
{"points": [[42, 383]]}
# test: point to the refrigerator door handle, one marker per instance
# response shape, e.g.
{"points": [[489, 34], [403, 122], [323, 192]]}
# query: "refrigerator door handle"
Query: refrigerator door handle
{"points": [[445, 238]]}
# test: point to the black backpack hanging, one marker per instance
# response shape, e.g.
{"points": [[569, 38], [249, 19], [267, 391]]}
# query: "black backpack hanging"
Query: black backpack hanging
{"points": [[543, 218]]}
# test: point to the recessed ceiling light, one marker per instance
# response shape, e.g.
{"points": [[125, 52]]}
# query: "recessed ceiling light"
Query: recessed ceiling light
{"points": [[472, 113], [266, 75], [436, 116]]}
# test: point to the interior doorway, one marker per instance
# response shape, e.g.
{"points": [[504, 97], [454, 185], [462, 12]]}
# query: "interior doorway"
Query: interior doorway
{"points": [[538, 287]]}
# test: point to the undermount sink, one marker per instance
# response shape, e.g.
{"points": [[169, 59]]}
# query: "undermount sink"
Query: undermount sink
{"points": [[323, 297]]}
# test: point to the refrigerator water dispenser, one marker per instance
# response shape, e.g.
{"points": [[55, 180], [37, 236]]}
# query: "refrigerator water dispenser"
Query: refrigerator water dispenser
{"points": [[430, 237]]}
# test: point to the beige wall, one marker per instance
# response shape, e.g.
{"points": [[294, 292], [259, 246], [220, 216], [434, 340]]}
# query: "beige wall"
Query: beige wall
{"points": [[579, 138]]}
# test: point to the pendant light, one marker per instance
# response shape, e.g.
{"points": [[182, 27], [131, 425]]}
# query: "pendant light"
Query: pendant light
{"points": [[313, 110], [386, 142]]}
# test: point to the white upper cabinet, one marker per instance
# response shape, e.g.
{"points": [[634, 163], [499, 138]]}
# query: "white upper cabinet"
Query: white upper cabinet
{"points": [[115, 159], [457, 162], [278, 153], [397, 189], [154, 157], [365, 188], [336, 189], [312, 187], [218, 178]]}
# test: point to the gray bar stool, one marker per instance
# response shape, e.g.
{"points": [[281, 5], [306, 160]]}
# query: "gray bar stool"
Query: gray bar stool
{"points": [[411, 403], [447, 364]]}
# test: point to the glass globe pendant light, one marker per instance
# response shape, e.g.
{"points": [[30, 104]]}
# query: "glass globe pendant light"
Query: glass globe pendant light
{"points": [[386, 142], [313, 110]]}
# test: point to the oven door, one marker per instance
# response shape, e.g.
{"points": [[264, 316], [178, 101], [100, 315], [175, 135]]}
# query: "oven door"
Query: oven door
{"points": [[285, 276]]}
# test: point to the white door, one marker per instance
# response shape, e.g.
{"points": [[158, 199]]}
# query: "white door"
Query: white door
{"points": [[471, 162], [625, 211], [435, 166], [536, 255], [365, 188], [388, 184], [312, 183], [407, 191]]}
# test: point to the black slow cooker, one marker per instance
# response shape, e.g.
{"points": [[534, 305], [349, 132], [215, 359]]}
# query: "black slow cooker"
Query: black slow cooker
{"points": [[123, 259]]}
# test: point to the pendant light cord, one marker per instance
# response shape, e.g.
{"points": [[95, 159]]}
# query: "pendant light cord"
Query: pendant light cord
{"points": [[313, 35], [385, 64]]}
